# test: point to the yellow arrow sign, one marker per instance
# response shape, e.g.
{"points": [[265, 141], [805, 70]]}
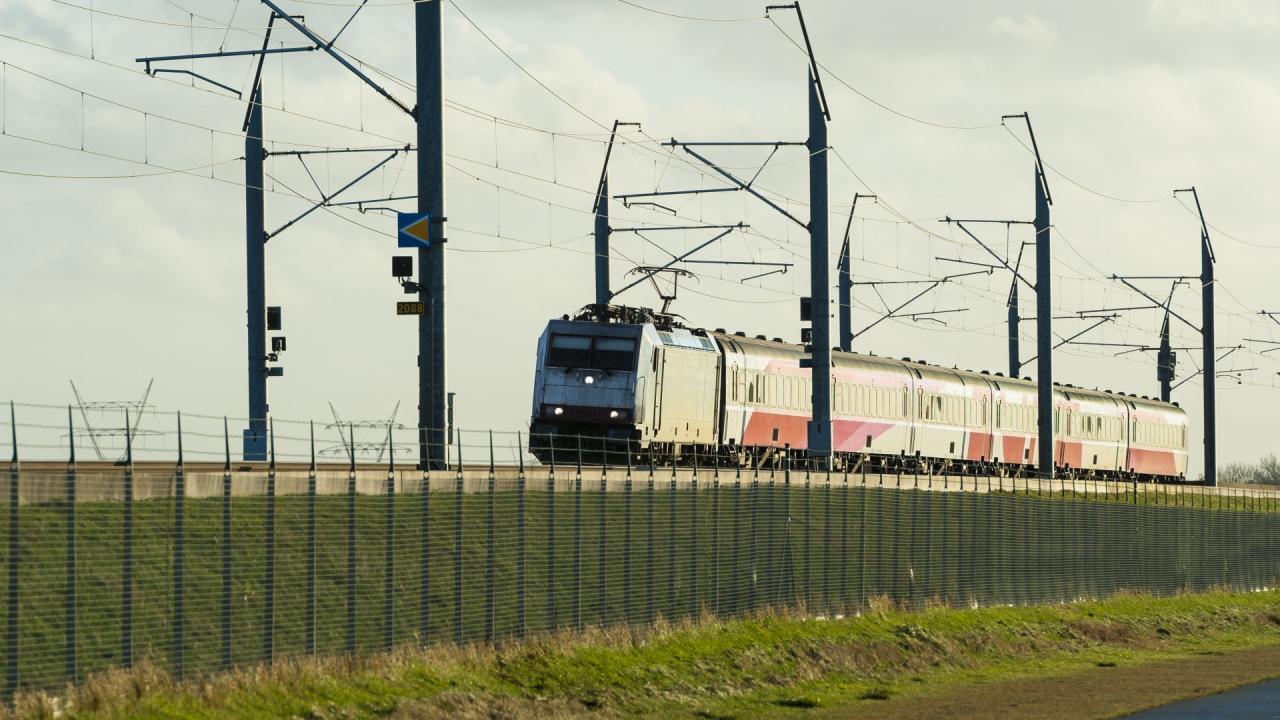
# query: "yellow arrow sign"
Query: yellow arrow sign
{"points": [[416, 232]]}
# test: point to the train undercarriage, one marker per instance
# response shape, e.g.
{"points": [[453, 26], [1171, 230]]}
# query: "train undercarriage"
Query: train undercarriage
{"points": [[618, 450]]}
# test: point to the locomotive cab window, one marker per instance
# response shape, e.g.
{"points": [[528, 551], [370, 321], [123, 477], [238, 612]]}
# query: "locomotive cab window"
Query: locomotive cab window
{"points": [[583, 351], [570, 351], [613, 353]]}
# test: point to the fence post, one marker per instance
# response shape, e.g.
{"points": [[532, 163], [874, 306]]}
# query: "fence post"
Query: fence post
{"points": [[491, 556], [715, 535], [862, 539], [671, 542], [226, 547], [826, 543], [626, 540], [693, 538], [424, 529], [126, 576], [844, 543], [736, 533], [785, 571], [309, 641], [351, 539], [522, 486], [552, 620], [11, 631], [806, 538], [179, 557], [269, 583], [650, 609], [753, 556], [919, 528], [602, 548], [72, 664], [389, 560], [577, 541], [459, 488], [887, 557]]}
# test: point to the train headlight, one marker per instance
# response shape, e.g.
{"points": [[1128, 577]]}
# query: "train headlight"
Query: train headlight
{"points": [[558, 411], [613, 414], [588, 379]]}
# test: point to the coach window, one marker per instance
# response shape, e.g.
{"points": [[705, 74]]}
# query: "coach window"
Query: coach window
{"points": [[569, 351]]}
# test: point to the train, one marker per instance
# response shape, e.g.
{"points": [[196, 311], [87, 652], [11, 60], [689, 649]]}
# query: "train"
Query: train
{"points": [[619, 379]]}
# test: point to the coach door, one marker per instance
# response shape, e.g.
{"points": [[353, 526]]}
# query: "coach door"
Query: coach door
{"points": [[659, 366]]}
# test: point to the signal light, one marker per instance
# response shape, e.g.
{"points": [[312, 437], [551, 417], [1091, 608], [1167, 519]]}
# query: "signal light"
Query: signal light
{"points": [[402, 266]]}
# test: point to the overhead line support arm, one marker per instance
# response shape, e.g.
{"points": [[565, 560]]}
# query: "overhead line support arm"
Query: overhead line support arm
{"points": [[673, 261], [327, 47], [813, 60], [994, 254], [932, 284], [1159, 303], [324, 199], [734, 179]]}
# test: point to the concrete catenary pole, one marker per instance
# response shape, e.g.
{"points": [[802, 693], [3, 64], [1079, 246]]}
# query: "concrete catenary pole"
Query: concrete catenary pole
{"points": [[1044, 330], [428, 21], [602, 243], [255, 436], [819, 276], [845, 297], [1015, 361], [1164, 362], [1208, 361]]}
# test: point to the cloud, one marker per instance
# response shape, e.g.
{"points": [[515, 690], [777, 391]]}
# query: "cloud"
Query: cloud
{"points": [[1024, 27]]}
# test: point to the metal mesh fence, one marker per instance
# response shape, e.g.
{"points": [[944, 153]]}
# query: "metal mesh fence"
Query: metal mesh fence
{"points": [[198, 569]]}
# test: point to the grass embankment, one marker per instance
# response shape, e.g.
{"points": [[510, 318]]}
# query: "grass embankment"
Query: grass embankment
{"points": [[880, 665], [588, 558]]}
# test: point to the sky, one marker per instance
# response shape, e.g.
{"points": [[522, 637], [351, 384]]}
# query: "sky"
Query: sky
{"points": [[122, 194]]}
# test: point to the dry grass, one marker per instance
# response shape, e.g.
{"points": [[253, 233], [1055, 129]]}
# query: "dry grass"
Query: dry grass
{"points": [[780, 658]]}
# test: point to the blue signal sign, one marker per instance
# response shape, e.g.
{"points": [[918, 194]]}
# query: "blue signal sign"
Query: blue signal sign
{"points": [[413, 230]]}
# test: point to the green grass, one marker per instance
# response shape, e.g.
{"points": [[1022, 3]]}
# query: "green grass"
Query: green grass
{"points": [[749, 667], [726, 552]]}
